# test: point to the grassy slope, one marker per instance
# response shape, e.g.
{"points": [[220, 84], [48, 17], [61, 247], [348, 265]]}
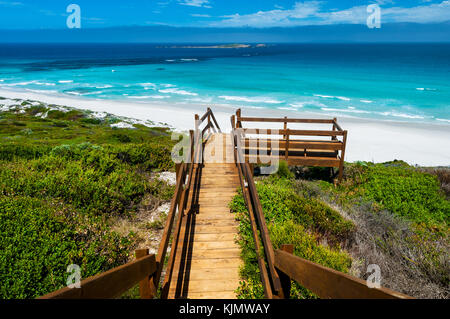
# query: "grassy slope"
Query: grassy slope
{"points": [[292, 219], [297, 213], [61, 179]]}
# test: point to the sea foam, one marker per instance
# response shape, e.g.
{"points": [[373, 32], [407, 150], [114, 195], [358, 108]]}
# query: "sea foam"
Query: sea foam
{"points": [[250, 99]]}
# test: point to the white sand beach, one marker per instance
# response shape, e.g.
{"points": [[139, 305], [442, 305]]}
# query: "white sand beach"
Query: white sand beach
{"points": [[368, 140]]}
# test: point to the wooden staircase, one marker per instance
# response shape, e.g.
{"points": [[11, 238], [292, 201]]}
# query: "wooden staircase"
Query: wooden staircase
{"points": [[208, 257], [204, 259]]}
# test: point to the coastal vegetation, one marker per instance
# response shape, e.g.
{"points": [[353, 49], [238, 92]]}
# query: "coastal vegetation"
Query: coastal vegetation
{"points": [[77, 187], [65, 176], [390, 214]]}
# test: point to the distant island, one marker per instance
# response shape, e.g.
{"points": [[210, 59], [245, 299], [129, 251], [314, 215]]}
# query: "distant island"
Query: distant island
{"points": [[220, 46]]}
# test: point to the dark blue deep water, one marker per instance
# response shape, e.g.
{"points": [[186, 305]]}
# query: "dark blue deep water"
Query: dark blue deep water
{"points": [[405, 82]]}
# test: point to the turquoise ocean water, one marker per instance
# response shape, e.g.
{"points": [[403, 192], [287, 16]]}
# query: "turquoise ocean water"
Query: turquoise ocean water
{"points": [[401, 82]]}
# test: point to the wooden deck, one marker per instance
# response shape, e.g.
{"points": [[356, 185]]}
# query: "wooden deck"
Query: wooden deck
{"points": [[208, 258]]}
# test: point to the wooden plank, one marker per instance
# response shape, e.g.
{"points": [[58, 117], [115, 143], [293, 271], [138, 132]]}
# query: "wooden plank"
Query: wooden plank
{"points": [[230, 244], [145, 289], [205, 211], [297, 160], [281, 120], [215, 222], [329, 283], [212, 285], [213, 295], [214, 274], [110, 284], [258, 131], [213, 253], [215, 263], [293, 145], [216, 217], [215, 237], [215, 229]]}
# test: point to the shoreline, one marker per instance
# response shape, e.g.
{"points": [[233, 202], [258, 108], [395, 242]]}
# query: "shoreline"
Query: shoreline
{"points": [[368, 140]]}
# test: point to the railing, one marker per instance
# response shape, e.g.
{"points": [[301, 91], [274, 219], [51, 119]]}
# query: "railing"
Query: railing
{"points": [[113, 283], [147, 270], [270, 279], [325, 282], [282, 266], [324, 153], [211, 123], [180, 201]]}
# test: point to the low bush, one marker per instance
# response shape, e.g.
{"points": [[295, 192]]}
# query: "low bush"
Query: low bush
{"points": [[403, 190], [290, 222], [38, 242], [59, 188]]}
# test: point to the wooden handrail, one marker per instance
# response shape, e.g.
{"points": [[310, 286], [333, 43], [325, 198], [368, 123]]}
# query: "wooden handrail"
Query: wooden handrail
{"points": [[215, 122], [284, 120], [336, 125], [208, 112], [329, 283], [110, 284], [259, 131], [183, 207], [211, 124], [257, 216]]}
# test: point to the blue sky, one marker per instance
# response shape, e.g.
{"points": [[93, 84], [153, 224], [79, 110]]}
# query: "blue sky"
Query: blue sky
{"points": [[51, 14]]}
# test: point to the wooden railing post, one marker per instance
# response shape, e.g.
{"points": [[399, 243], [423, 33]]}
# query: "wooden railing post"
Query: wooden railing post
{"points": [[341, 164], [285, 280], [333, 138], [287, 147], [209, 119], [238, 115], [191, 155], [285, 126], [177, 170], [145, 290]]}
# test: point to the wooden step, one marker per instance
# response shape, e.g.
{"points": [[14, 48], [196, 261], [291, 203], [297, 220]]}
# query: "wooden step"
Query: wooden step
{"points": [[215, 229], [205, 210], [215, 237], [213, 274], [213, 295], [199, 245], [217, 217], [195, 254], [215, 222], [211, 259], [210, 286]]}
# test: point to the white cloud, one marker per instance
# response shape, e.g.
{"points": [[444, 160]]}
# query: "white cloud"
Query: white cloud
{"points": [[312, 13], [275, 17], [195, 3], [11, 4], [200, 15], [436, 12]]}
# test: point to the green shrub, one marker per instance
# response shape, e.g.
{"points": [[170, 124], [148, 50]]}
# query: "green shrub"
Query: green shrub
{"points": [[37, 243], [58, 189], [93, 121], [291, 219], [56, 114], [8, 152], [121, 137], [283, 170], [36, 110], [401, 189]]}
